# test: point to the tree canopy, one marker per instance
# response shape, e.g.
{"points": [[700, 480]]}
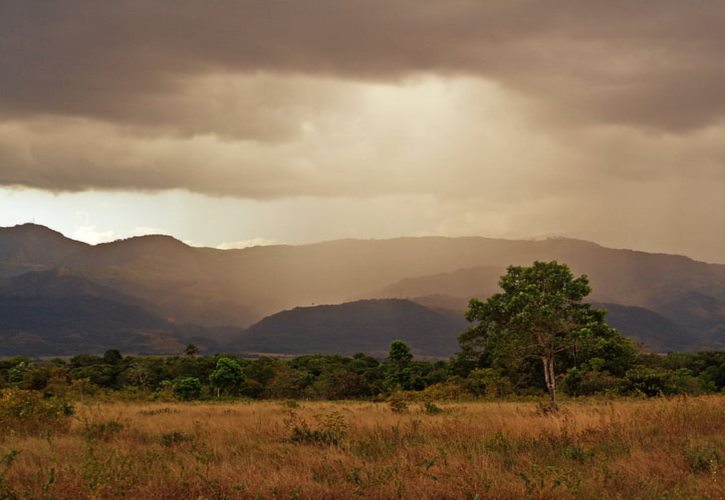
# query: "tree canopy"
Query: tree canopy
{"points": [[540, 314], [227, 376]]}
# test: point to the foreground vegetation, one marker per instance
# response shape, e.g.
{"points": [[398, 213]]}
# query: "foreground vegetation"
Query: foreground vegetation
{"points": [[622, 448]]}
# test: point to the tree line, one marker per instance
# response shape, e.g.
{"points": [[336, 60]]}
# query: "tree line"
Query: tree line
{"points": [[356, 377]]}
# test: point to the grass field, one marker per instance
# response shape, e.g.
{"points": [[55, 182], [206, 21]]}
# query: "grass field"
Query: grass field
{"points": [[598, 449]]}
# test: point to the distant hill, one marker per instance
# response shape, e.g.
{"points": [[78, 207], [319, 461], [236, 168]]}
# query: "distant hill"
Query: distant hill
{"points": [[58, 283], [58, 312], [654, 331], [237, 288], [57, 326], [470, 282], [31, 247], [364, 326]]}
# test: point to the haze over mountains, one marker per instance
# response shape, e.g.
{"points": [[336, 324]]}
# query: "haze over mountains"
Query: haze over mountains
{"points": [[153, 293]]}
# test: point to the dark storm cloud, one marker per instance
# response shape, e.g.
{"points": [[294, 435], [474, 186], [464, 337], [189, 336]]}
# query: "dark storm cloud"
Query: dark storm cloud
{"points": [[656, 64]]}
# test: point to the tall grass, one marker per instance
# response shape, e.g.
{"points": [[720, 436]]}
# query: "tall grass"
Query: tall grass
{"points": [[598, 449]]}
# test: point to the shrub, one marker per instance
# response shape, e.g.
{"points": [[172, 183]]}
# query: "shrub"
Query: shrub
{"points": [[431, 408], [488, 382], [399, 406], [450, 390], [186, 388], [329, 431], [251, 389], [705, 458], [169, 439], [543, 409], [686, 383], [650, 381], [157, 411], [6, 462], [29, 412], [102, 431], [579, 382]]}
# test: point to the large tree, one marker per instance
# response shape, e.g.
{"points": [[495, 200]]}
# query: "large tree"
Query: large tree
{"points": [[539, 314]]}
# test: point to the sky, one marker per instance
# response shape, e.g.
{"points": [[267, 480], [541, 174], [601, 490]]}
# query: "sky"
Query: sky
{"points": [[238, 123]]}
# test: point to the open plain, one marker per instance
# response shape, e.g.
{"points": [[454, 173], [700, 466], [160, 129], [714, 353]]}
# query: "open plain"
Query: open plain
{"points": [[620, 448]]}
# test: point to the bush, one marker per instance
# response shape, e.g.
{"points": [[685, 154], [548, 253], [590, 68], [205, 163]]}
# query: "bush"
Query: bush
{"points": [[6, 462], [705, 458], [169, 439], [398, 406], [432, 408], [650, 381], [329, 431], [251, 389], [102, 431], [686, 383], [451, 390], [157, 411], [29, 412], [488, 382], [186, 388], [579, 382]]}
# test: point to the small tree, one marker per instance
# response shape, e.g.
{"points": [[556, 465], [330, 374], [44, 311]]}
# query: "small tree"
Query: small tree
{"points": [[112, 357], [399, 354], [399, 374], [539, 314], [227, 376], [186, 388], [191, 350]]}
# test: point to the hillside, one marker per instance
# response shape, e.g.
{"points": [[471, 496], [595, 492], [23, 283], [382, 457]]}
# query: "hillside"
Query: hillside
{"points": [[654, 331], [470, 282], [237, 288], [58, 283], [364, 326], [31, 247], [58, 312]]}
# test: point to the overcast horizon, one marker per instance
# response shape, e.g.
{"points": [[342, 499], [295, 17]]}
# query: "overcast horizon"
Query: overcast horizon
{"points": [[240, 123]]}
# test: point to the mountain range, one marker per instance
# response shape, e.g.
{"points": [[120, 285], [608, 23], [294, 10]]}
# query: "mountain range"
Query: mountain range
{"points": [[154, 293]]}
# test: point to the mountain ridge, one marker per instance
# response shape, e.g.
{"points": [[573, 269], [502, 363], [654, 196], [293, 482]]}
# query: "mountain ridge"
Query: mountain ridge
{"points": [[29, 226], [237, 288]]}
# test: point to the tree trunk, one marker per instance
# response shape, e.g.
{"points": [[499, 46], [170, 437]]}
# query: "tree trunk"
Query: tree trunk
{"points": [[550, 379]]}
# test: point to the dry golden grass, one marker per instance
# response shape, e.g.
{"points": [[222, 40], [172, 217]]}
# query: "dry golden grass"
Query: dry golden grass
{"points": [[598, 449]]}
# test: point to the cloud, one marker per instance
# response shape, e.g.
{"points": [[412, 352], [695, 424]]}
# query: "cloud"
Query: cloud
{"points": [[89, 234], [653, 64], [384, 140], [450, 138], [254, 242], [506, 117]]}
